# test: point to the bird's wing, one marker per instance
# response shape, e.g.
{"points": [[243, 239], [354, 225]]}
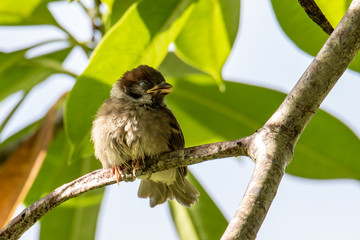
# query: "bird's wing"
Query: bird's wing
{"points": [[176, 138]]}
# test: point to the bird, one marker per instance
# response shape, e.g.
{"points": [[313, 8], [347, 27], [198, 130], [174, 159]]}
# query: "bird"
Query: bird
{"points": [[134, 125]]}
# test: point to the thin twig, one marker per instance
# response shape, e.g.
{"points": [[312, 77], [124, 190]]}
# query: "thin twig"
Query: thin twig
{"points": [[51, 64], [101, 178], [98, 15], [9, 116], [315, 14], [74, 41], [272, 146], [44, 43]]}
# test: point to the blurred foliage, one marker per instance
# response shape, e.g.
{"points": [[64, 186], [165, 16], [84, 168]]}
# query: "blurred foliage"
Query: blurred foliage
{"points": [[140, 32], [76, 218], [308, 36], [202, 221]]}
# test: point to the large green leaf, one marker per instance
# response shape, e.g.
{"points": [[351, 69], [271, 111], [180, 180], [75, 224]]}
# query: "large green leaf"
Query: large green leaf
{"points": [[214, 116], [76, 218], [333, 10], [142, 36], [207, 38], [25, 12], [13, 142], [116, 8], [206, 115], [9, 63], [19, 73], [172, 67], [306, 34], [327, 148], [202, 221]]}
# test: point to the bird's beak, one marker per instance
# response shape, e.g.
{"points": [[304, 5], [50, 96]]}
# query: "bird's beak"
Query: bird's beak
{"points": [[162, 88]]}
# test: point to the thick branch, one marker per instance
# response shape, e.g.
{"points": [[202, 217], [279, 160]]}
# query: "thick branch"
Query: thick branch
{"points": [[271, 147], [101, 178]]}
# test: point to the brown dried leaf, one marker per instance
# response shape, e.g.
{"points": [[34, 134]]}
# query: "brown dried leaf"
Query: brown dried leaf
{"points": [[19, 171]]}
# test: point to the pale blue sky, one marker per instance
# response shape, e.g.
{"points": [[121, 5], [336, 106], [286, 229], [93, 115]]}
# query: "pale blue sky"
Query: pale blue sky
{"points": [[263, 55]]}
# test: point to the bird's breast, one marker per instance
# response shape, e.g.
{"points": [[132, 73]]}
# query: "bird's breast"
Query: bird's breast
{"points": [[121, 134], [146, 133]]}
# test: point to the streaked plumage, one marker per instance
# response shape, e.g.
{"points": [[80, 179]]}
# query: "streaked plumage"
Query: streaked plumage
{"points": [[134, 124]]}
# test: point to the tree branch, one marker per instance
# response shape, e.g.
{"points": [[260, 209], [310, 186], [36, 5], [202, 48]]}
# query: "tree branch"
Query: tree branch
{"points": [[272, 146], [315, 14], [100, 178]]}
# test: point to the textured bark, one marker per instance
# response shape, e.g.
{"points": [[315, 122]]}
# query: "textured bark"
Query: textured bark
{"points": [[272, 146]]}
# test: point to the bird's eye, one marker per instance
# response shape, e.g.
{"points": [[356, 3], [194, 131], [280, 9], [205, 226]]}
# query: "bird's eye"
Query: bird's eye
{"points": [[144, 84]]}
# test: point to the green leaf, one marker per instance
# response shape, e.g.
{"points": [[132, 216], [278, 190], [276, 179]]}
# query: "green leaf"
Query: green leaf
{"points": [[172, 67], [8, 60], [206, 115], [326, 149], [333, 11], [142, 36], [76, 218], [207, 38], [116, 9], [13, 142], [25, 12], [202, 221], [19, 73], [195, 98], [306, 34]]}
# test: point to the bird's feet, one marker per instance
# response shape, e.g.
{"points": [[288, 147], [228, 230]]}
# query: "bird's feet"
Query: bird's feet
{"points": [[121, 171], [118, 171]]}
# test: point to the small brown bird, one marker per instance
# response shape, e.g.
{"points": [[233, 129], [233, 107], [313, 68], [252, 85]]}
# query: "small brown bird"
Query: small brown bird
{"points": [[135, 124]]}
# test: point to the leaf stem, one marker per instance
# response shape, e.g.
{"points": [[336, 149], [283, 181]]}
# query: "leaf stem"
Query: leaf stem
{"points": [[44, 42], [52, 64], [99, 15], [74, 41], [9, 116]]}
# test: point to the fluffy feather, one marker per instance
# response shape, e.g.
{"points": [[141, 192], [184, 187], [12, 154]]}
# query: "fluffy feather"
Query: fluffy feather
{"points": [[135, 124]]}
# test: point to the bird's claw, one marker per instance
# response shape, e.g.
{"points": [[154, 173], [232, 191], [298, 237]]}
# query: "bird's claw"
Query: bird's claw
{"points": [[118, 172], [136, 165]]}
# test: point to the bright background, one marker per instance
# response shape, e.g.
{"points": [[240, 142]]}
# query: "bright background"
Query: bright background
{"points": [[262, 55]]}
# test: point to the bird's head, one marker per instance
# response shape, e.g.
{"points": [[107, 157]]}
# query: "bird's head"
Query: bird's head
{"points": [[143, 84]]}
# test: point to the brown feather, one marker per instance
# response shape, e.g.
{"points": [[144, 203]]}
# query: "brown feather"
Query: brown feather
{"points": [[135, 124]]}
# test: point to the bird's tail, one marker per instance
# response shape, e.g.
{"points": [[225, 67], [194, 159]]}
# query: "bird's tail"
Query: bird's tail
{"points": [[158, 192]]}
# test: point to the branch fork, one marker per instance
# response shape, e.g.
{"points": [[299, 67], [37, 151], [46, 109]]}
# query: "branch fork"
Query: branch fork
{"points": [[271, 147]]}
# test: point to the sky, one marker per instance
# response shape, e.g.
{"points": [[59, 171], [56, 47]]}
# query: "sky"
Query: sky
{"points": [[262, 55]]}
